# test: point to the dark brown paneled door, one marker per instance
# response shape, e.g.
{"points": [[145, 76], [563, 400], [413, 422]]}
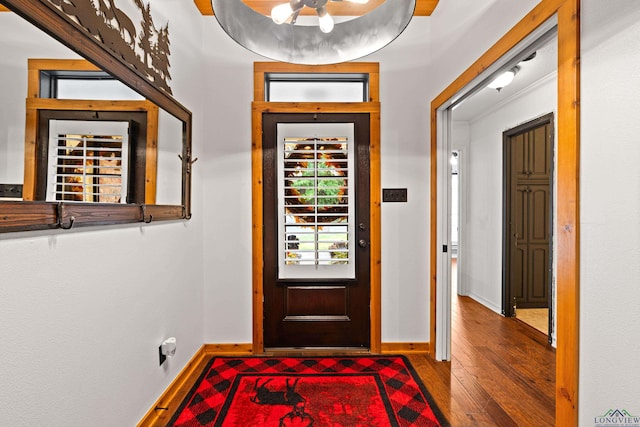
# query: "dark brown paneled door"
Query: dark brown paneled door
{"points": [[528, 182], [316, 230]]}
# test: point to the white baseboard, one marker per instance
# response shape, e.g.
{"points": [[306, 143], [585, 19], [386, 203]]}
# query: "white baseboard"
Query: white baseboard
{"points": [[491, 306]]}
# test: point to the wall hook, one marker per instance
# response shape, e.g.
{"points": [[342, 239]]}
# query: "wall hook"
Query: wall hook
{"points": [[186, 215], [144, 215], [72, 219], [189, 161]]}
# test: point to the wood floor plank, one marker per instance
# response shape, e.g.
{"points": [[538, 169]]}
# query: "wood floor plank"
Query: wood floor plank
{"points": [[502, 373]]}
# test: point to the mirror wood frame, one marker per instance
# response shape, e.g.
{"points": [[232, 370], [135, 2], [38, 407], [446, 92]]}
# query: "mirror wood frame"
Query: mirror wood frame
{"points": [[37, 215]]}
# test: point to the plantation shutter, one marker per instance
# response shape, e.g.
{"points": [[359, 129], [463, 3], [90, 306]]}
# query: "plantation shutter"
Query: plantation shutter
{"points": [[87, 161], [316, 200]]}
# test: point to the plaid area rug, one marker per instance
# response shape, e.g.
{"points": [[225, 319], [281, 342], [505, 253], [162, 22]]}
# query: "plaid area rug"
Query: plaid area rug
{"points": [[308, 391]]}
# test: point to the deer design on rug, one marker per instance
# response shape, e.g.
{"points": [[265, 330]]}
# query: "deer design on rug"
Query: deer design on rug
{"points": [[297, 416]]}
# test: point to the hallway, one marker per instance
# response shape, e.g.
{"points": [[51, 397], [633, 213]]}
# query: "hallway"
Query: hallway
{"points": [[502, 372]]}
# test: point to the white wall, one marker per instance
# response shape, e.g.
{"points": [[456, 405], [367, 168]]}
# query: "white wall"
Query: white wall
{"points": [[226, 168], [610, 209], [80, 336], [405, 152]]}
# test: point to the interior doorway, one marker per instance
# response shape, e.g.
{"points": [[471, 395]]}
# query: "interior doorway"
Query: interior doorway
{"points": [[566, 14], [486, 112]]}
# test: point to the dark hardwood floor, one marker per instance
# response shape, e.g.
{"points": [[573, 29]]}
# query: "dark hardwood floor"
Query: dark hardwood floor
{"points": [[502, 371]]}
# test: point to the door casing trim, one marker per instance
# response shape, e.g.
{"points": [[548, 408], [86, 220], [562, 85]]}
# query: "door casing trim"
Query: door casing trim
{"points": [[258, 110], [568, 187], [259, 107]]}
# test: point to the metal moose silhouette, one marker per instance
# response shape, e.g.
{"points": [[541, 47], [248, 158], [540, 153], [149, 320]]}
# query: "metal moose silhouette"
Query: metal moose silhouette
{"points": [[147, 51]]}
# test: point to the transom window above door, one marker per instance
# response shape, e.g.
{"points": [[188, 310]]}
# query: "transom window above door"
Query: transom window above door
{"points": [[316, 87]]}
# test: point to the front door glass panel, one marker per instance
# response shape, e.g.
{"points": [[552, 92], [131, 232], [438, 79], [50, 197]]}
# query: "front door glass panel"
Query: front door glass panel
{"points": [[316, 198]]}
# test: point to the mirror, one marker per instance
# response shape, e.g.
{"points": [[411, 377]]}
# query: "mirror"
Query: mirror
{"points": [[155, 183]]}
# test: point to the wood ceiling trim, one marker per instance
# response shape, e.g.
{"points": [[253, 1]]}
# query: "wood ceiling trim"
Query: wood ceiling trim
{"points": [[423, 7]]}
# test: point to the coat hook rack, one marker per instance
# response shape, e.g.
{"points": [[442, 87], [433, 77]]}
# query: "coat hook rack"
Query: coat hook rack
{"points": [[184, 213], [144, 215], [189, 161], [60, 211]]}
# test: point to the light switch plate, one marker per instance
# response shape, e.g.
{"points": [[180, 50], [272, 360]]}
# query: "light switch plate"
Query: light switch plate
{"points": [[394, 195]]}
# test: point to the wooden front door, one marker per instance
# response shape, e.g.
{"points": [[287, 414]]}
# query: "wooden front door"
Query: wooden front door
{"points": [[316, 276], [528, 214]]}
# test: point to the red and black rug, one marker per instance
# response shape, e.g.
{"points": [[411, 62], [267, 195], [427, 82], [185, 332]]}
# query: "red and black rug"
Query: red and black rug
{"points": [[308, 391]]}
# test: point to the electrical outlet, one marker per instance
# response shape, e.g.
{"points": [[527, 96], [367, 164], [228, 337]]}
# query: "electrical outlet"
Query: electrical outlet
{"points": [[162, 356], [394, 195]]}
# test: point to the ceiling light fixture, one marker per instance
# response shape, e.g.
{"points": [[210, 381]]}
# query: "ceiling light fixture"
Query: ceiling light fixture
{"points": [[303, 44], [504, 79], [288, 12]]}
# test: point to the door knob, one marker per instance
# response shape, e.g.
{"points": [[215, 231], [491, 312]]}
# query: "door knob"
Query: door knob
{"points": [[362, 243]]}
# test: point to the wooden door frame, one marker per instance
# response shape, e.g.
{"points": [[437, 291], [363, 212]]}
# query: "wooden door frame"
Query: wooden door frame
{"points": [[568, 190], [259, 107], [547, 119]]}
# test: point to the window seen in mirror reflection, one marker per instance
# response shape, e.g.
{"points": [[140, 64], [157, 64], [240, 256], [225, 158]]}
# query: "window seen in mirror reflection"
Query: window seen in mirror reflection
{"points": [[88, 167], [107, 89]]}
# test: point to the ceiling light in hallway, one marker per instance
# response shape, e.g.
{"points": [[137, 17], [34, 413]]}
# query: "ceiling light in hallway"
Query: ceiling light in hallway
{"points": [[504, 79]]}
